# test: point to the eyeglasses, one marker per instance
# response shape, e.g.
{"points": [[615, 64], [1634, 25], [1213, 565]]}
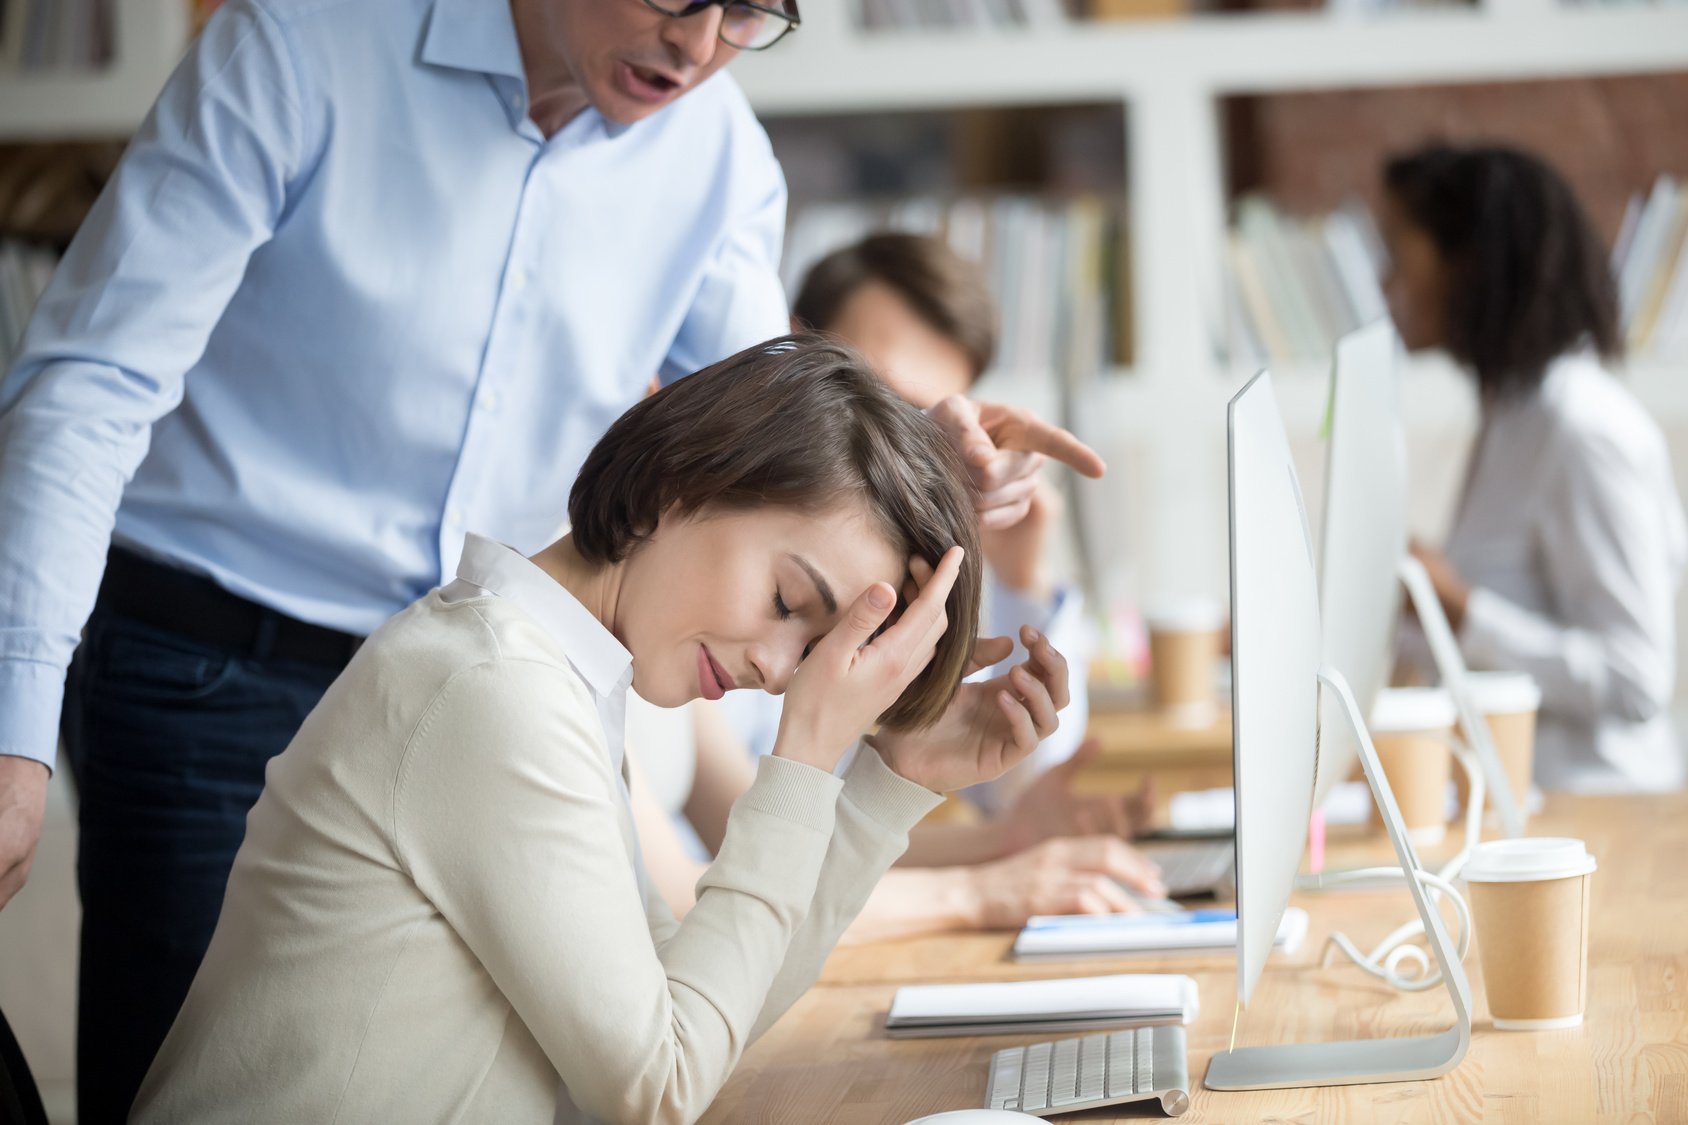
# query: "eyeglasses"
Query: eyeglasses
{"points": [[747, 26]]}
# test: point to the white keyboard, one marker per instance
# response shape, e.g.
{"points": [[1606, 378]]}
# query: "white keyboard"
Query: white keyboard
{"points": [[1191, 867], [1131, 1065]]}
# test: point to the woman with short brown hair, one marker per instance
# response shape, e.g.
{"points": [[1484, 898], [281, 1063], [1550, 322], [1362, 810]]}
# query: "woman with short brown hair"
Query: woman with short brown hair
{"points": [[439, 911]]}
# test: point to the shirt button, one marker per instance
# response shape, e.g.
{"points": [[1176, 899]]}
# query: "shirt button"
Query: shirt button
{"points": [[519, 280], [454, 518], [489, 401]]}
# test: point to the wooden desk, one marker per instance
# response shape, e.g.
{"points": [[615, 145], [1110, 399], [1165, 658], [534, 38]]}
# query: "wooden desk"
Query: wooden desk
{"points": [[1140, 742], [828, 1060]]}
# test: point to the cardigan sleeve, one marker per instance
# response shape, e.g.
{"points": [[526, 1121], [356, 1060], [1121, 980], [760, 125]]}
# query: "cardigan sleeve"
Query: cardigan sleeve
{"points": [[505, 814]]}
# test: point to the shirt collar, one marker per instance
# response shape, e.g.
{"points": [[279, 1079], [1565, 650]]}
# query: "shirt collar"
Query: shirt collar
{"points": [[593, 650], [477, 35], [480, 36]]}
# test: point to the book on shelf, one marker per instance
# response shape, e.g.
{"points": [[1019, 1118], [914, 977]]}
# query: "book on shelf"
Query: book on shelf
{"points": [[1650, 260], [1294, 285], [877, 15], [55, 34], [24, 270], [1056, 267]]}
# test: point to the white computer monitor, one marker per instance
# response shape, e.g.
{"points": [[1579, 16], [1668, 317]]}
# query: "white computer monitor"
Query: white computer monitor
{"points": [[1276, 683], [1364, 534], [1275, 642], [1364, 561]]}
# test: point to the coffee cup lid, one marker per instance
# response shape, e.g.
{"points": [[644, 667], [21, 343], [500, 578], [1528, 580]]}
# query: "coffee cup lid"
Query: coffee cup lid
{"points": [[1398, 710], [1527, 860], [1503, 693], [1184, 615]]}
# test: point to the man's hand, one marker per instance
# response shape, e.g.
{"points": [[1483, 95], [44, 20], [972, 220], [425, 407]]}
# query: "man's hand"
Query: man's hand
{"points": [[989, 727], [1451, 590], [1076, 875], [1003, 447], [23, 802], [1015, 554], [1048, 808]]}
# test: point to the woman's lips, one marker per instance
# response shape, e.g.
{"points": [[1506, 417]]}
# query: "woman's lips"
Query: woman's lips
{"points": [[722, 677], [707, 685], [712, 679]]}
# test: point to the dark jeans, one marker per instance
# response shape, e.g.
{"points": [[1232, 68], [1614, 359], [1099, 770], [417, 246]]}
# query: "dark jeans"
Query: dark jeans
{"points": [[168, 739]]}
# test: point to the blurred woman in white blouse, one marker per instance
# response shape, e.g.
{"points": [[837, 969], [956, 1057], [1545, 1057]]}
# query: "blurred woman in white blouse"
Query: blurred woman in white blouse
{"points": [[1568, 545]]}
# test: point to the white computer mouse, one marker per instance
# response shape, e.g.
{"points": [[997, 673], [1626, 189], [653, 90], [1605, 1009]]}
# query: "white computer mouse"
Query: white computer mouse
{"points": [[974, 1117]]}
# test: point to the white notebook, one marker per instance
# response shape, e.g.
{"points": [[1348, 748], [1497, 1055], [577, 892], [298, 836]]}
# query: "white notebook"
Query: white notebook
{"points": [[1010, 1007], [1052, 937]]}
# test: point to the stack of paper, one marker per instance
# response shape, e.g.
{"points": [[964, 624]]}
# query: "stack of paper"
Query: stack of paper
{"points": [[1051, 937], [1125, 1000]]}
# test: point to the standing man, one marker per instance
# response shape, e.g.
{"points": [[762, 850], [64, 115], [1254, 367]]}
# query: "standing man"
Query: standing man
{"points": [[371, 275]]}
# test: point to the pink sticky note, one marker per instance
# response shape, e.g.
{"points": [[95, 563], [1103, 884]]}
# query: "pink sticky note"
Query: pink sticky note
{"points": [[1316, 842]]}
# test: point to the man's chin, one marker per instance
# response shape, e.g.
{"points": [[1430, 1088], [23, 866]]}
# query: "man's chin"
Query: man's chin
{"points": [[620, 108]]}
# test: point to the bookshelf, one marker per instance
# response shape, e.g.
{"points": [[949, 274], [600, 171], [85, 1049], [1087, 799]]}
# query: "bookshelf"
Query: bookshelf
{"points": [[148, 38], [1159, 421], [1162, 420]]}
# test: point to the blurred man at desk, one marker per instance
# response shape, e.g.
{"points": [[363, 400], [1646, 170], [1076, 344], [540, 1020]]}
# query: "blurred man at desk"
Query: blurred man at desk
{"points": [[370, 276]]}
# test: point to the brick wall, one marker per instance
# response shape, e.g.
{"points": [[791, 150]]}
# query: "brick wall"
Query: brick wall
{"points": [[1610, 136]]}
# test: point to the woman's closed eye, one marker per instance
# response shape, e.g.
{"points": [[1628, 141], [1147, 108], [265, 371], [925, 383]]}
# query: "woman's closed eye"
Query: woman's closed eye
{"points": [[786, 613]]}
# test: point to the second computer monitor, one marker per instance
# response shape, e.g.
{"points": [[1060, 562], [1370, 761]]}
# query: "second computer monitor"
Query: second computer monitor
{"points": [[1364, 535]]}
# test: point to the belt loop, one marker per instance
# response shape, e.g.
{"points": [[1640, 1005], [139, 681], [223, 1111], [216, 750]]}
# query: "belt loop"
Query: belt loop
{"points": [[263, 641]]}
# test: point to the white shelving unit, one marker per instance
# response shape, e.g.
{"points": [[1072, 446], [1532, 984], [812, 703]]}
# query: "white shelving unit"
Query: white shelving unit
{"points": [[1158, 524], [1161, 425]]}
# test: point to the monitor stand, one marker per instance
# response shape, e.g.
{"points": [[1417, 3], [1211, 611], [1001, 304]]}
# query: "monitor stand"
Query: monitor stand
{"points": [[1354, 1061], [1451, 665]]}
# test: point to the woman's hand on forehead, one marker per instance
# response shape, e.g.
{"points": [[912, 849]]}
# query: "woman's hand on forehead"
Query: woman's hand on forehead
{"points": [[864, 664]]}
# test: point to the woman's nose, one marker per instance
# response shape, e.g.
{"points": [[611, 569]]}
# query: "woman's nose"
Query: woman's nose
{"points": [[777, 666]]}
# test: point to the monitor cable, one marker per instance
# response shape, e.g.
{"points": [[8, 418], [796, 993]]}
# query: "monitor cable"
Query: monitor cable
{"points": [[1398, 960]]}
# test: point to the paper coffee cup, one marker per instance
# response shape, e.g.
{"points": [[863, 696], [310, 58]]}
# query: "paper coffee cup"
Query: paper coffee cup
{"points": [[1183, 654], [1508, 702], [1530, 903], [1409, 727]]}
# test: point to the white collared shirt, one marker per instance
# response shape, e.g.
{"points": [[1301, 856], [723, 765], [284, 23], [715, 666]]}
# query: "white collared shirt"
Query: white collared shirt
{"points": [[489, 567], [1571, 536]]}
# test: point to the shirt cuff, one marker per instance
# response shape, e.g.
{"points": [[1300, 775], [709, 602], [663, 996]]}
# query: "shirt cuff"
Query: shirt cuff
{"points": [[1011, 607], [31, 697], [886, 797], [1491, 629], [795, 792]]}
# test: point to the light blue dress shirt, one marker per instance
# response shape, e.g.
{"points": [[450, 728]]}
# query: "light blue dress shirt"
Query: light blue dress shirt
{"points": [[343, 303]]}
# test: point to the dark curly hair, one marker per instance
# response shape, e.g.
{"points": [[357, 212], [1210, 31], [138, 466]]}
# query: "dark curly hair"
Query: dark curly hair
{"points": [[1530, 277], [796, 422]]}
